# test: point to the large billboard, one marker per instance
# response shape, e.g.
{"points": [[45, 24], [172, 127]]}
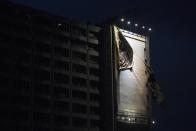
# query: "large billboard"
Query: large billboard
{"points": [[132, 93]]}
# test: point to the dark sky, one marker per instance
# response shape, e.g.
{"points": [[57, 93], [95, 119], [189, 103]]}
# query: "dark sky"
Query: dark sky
{"points": [[172, 45]]}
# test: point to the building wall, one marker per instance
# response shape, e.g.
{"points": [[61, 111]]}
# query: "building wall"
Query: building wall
{"points": [[50, 71]]}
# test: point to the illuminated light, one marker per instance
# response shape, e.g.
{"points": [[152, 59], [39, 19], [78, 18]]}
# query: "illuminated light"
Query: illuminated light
{"points": [[149, 29], [153, 122], [143, 27], [129, 119], [122, 19], [136, 25], [128, 22], [122, 118], [59, 24]]}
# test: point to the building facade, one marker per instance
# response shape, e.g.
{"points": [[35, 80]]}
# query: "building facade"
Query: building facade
{"points": [[50, 72]]}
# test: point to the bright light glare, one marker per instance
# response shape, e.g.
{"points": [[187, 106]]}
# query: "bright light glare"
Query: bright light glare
{"points": [[149, 29], [136, 25], [143, 27], [128, 22], [122, 19], [153, 122]]}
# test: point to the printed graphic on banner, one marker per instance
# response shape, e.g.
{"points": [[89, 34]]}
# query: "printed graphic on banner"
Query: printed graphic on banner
{"points": [[132, 92], [125, 53]]}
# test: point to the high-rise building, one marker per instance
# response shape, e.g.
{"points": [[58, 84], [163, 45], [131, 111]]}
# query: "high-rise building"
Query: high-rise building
{"points": [[49, 72], [63, 75]]}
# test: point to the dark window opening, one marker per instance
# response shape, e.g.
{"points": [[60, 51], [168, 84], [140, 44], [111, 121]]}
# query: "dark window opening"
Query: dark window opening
{"points": [[42, 61], [20, 116], [92, 47], [19, 127], [78, 31], [78, 56], [61, 65], [78, 45], [77, 108], [5, 68], [23, 57], [94, 110], [94, 71], [94, 98], [61, 78], [42, 48], [61, 120], [92, 35], [41, 75], [23, 43], [22, 70], [60, 91], [78, 68], [79, 95], [41, 118], [61, 41], [40, 103], [79, 122], [94, 84], [79, 82], [20, 101], [94, 124], [22, 29], [61, 51], [94, 59], [42, 89], [40, 128], [22, 86], [61, 106]]}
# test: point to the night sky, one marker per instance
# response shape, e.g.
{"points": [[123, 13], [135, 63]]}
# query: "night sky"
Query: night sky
{"points": [[172, 45]]}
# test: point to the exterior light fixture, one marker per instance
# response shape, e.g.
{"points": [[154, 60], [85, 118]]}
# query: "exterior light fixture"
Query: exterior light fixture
{"points": [[143, 27], [150, 29], [122, 19], [153, 122], [128, 22], [136, 25]]}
